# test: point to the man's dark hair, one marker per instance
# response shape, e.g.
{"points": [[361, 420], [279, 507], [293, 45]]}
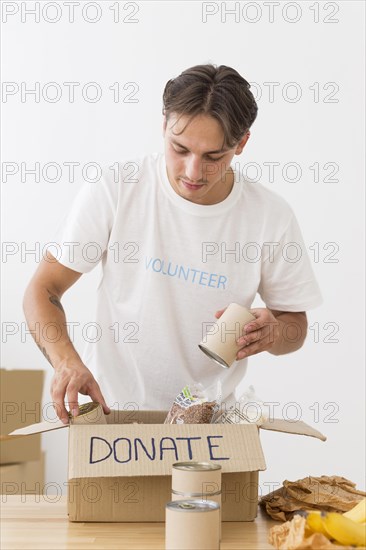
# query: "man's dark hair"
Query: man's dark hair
{"points": [[219, 92]]}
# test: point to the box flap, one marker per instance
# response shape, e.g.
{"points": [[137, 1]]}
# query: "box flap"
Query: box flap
{"points": [[88, 413], [115, 417], [150, 450], [297, 427], [38, 428]]}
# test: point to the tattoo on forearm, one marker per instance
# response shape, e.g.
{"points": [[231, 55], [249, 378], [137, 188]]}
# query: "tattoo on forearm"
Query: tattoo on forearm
{"points": [[43, 350], [55, 301]]}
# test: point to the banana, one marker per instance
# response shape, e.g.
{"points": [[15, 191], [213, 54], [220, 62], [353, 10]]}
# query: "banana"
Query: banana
{"points": [[358, 512], [314, 522], [344, 530]]}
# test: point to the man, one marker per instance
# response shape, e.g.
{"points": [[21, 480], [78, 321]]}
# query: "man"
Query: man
{"points": [[179, 238]]}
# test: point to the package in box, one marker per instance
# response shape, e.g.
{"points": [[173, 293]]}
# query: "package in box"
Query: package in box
{"points": [[121, 471], [21, 402]]}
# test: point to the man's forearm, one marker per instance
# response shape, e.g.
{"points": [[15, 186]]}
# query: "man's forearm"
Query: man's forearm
{"points": [[47, 322], [293, 329]]}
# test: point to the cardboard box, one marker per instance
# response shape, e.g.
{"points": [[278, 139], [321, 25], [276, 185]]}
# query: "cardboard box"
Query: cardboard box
{"points": [[21, 403], [25, 478], [121, 471]]}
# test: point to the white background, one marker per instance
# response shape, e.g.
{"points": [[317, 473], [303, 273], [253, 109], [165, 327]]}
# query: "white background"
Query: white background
{"points": [[304, 43]]}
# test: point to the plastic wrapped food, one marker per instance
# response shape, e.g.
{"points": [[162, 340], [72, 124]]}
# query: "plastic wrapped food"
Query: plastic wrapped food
{"points": [[195, 405]]}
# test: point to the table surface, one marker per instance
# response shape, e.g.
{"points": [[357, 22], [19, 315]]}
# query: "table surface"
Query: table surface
{"points": [[35, 522]]}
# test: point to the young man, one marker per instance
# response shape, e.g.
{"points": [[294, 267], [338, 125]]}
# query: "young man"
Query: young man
{"points": [[179, 240]]}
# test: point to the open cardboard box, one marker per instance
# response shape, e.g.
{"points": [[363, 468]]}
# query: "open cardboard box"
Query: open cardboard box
{"points": [[121, 471]]}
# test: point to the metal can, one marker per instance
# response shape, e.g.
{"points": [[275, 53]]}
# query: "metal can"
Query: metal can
{"points": [[196, 478], [192, 525], [220, 343], [89, 413], [197, 481]]}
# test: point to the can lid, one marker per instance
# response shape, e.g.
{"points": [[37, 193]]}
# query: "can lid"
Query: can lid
{"points": [[85, 408], [196, 466], [193, 506], [214, 357]]}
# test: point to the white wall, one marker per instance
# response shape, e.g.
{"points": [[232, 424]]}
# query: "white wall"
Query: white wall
{"points": [[323, 61]]}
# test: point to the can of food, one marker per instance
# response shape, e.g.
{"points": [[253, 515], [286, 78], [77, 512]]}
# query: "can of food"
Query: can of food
{"points": [[196, 478], [220, 341], [192, 525], [89, 413], [197, 481]]}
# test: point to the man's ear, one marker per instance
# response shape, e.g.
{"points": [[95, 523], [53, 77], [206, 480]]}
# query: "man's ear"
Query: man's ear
{"points": [[242, 143], [164, 125]]}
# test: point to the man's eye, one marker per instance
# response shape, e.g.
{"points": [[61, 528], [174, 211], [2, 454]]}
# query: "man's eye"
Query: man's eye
{"points": [[219, 158], [180, 151], [183, 152]]}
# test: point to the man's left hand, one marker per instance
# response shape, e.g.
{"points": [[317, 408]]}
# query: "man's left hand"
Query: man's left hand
{"points": [[277, 332], [259, 335]]}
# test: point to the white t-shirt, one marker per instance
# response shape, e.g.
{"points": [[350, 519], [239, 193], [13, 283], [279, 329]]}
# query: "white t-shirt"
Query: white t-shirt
{"points": [[168, 265]]}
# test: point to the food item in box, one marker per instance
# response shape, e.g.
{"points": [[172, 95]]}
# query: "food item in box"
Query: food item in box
{"points": [[248, 409], [200, 413], [194, 405]]}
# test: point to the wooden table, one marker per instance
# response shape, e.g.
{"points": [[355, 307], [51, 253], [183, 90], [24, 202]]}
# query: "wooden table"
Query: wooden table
{"points": [[37, 523]]}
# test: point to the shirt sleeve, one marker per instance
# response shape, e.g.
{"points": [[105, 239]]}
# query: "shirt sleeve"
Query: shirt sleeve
{"points": [[287, 279], [83, 236]]}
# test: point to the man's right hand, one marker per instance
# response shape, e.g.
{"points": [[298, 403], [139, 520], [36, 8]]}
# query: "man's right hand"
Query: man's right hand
{"points": [[70, 378], [42, 308]]}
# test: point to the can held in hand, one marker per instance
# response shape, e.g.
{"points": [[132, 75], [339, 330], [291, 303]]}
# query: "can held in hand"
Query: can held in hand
{"points": [[220, 342], [192, 525]]}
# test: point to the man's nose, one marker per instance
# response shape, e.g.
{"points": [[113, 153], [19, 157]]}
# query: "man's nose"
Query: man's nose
{"points": [[194, 169]]}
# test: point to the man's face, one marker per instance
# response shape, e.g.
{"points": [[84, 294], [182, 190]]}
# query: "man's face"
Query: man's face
{"points": [[198, 167]]}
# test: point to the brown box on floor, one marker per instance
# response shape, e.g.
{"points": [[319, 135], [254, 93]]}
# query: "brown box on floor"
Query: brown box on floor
{"points": [[21, 404], [24, 478]]}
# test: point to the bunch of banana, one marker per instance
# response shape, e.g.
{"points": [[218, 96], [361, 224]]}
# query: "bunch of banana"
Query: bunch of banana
{"points": [[358, 512], [348, 529]]}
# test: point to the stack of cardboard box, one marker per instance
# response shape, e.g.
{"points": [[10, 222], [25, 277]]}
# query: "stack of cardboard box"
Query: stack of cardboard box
{"points": [[21, 460]]}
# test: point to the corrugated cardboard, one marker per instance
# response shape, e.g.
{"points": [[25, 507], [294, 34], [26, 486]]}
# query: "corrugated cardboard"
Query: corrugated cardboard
{"points": [[128, 466], [21, 403], [25, 478], [121, 471]]}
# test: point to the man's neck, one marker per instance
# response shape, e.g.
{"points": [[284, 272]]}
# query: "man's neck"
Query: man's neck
{"points": [[226, 187]]}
